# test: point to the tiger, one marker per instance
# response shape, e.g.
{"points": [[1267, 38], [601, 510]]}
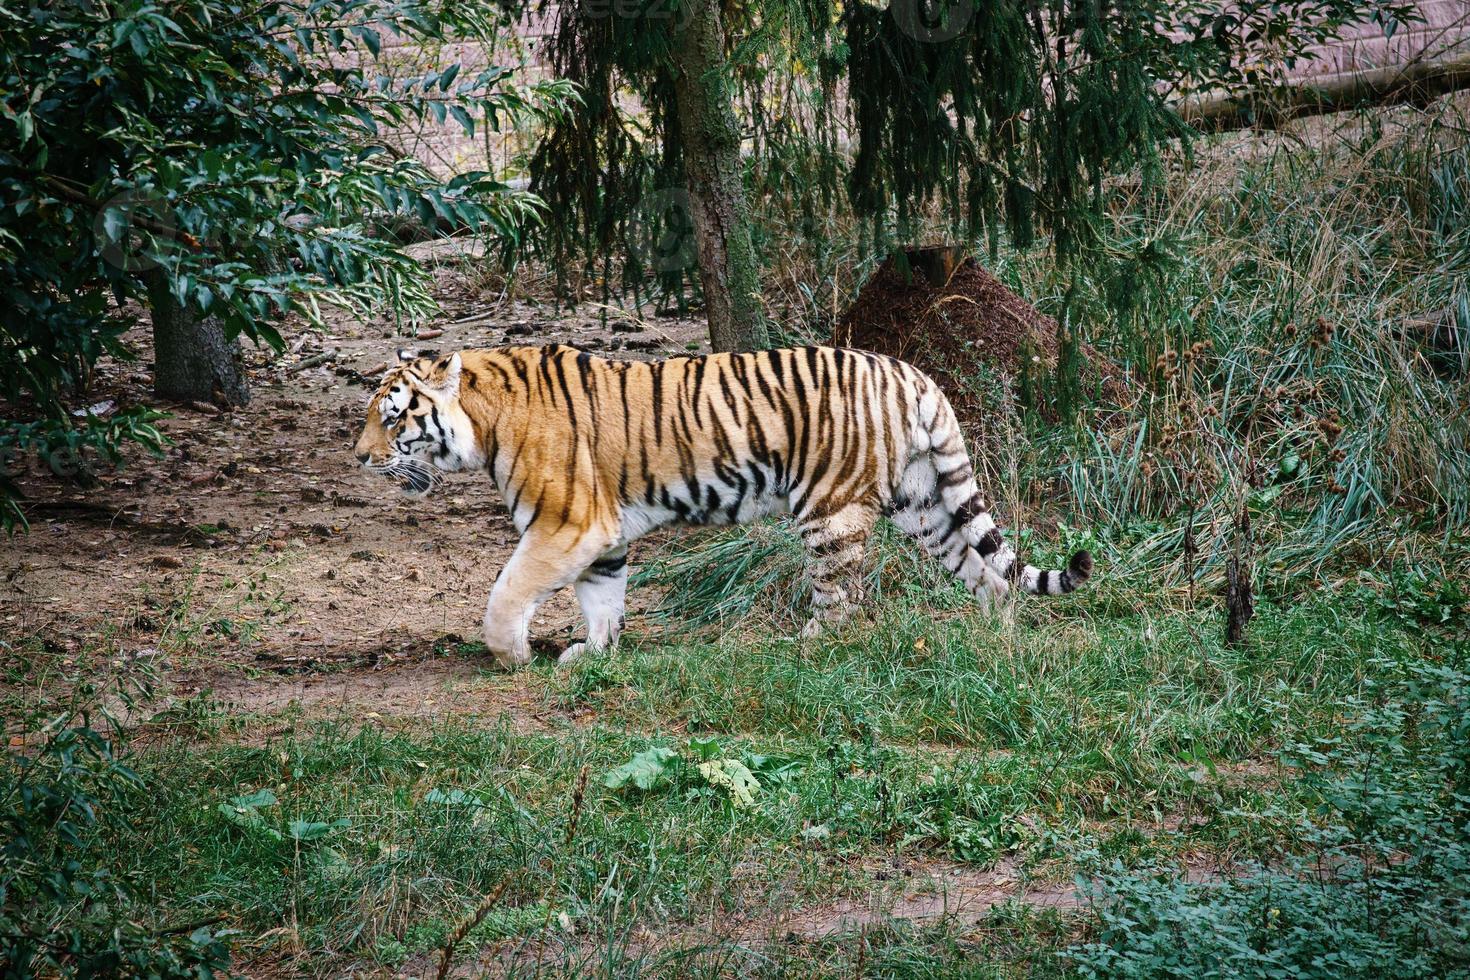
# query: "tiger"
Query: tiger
{"points": [[591, 454]]}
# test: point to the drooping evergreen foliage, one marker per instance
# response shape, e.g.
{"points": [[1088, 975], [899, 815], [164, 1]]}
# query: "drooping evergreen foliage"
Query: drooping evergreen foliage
{"points": [[240, 152], [998, 117], [596, 167]]}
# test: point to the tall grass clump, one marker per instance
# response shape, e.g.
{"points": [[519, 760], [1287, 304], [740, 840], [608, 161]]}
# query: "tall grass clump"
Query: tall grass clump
{"points": [[1291, 316]]}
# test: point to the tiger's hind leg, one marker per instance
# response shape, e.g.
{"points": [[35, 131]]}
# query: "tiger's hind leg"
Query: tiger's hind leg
{"points": [[601, 590], [834, 543], [542, 563]]}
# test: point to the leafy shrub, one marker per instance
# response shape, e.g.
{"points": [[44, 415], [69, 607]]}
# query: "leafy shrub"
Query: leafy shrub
{"points": [[63, 911], [1385, 890], [1419, 597], [234, 162], [974, 821]]}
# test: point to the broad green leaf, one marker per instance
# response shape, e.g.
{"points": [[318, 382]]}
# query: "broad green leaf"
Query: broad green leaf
{"points": [[463, 117], [732, 776], [260, 798], [244, 812], [704, 748], [771, 770], [309, 830], [114, 224], [644, 770]]}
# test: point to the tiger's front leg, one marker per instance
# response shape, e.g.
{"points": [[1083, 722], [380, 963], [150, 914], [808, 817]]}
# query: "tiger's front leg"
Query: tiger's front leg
{"points": [[542, 563], [601, 591]]}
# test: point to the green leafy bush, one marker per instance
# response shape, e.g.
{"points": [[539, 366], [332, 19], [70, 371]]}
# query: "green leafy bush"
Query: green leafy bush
{"points": [[63, 910], [1419, 597], [233, 162], [1384, 891]]}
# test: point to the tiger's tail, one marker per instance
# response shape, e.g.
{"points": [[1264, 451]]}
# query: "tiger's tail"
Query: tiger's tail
{"points": [[939, 503]]}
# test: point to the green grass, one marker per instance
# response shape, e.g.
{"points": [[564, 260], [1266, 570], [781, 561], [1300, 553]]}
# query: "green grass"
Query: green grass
{"points": [[1097, 728]]}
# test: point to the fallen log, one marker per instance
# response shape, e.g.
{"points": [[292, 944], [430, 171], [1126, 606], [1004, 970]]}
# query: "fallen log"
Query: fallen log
{"points": [[1417, 82]]}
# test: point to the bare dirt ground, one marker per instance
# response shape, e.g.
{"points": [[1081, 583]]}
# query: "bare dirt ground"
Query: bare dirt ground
{"points": [[254, 560]]}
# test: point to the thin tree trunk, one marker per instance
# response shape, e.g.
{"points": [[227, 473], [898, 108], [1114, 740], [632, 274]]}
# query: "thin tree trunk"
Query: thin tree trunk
{"points": [[193, 360], [1240, 594], [710, 134]]}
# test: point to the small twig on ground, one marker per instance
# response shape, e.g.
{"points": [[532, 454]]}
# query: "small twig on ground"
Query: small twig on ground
{"points": [[312, 361], [428, 334], [473, 319]]}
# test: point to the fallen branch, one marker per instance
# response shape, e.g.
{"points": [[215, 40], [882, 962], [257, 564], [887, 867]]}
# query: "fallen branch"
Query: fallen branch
{"points": [[312, 361], [1416, 82], [474, 318]]}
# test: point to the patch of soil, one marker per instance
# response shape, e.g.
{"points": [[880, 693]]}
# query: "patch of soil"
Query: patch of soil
{"points": [[405, 692], [254, 553], [929, 891]]}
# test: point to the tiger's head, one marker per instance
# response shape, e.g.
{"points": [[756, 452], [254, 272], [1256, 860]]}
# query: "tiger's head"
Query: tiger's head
{"points": [[416, 425]]}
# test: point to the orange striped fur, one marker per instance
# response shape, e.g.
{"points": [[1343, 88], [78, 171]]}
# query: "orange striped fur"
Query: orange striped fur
{"points": [[591, 454]]}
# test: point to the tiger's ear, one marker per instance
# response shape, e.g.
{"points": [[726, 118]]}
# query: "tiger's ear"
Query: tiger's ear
{"points": [[448, 384], [405, 356]]}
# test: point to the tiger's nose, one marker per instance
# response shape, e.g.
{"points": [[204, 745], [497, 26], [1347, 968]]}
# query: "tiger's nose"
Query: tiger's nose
{"points": [[362, 457]]}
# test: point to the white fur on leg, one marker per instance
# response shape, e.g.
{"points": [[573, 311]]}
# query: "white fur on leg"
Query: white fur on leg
{"points": [[508, 637], [602, 598], [526, 581]]}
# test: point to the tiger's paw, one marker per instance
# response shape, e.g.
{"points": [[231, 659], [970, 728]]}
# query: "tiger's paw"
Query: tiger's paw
{"points": [[510, 660], [571, 654], [813, 628]]}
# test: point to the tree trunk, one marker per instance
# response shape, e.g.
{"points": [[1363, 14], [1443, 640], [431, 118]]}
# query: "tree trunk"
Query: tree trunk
{"points": [[193, 360], [710, 134]]}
